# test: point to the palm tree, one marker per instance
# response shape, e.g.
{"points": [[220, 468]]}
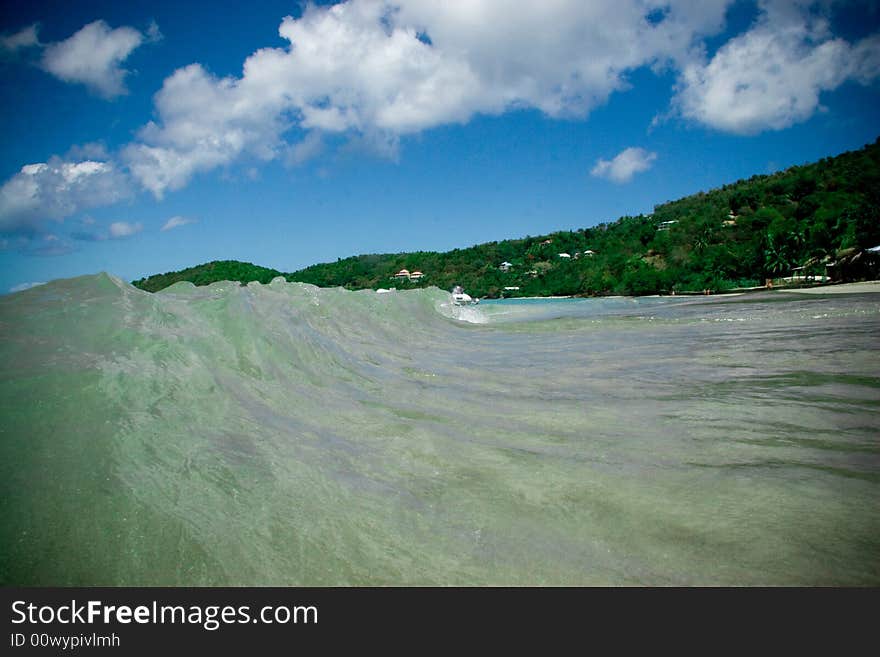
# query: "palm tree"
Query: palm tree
{"points": [[777, 255]]}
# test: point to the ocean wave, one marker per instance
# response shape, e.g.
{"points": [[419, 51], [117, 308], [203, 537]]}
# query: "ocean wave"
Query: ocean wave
{"points": [[286, 434]]}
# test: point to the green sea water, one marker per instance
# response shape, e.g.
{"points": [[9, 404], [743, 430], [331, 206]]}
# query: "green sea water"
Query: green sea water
{"points": [[283, 434]]}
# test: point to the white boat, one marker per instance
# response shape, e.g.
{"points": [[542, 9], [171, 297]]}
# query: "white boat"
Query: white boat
{"points": [[460, 298]]}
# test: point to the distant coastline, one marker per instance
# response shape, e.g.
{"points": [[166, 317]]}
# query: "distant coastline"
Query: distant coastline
{"points": [[816, 221], [860, 287]]}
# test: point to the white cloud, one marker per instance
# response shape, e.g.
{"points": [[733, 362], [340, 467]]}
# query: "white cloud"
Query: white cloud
{"points": [[57, 189], [90, 151], [864, 60], [46, 246], [206, 122], [93, 56], [21, 287], [303, 151], [25, 38], [772, 76], [624, 165], [563, 57], [176, 222], [154, 34], [375, 70], [122, 229]]}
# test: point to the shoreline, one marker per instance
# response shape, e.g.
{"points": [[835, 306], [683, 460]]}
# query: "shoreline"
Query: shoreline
{"points": [[858, 287], [569, 296]]}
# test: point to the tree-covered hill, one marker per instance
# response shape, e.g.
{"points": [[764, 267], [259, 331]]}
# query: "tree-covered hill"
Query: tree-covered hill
{"points": [[811, 216], [210, 272]]}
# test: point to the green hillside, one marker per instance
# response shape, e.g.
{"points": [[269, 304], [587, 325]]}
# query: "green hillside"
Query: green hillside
{"points": [[210, 272], [812, 216]]}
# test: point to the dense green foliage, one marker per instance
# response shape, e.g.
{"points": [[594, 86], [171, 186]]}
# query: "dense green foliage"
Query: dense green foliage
{"points": [[211, 272], [738, 235]]}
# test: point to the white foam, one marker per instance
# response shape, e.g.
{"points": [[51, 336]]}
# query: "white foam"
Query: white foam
{"points": [[468, 314]]}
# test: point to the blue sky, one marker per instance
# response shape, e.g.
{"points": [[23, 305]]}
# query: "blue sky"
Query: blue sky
{"points": [[287, 134]]}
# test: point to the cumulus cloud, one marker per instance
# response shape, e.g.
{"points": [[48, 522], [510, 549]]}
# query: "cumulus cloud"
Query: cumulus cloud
{"points": [[48, 246], [120, 230], [25, 38], [624, 165], [772, 76], [206, 122], [115, 231], [93, 56], [53, 190], [303, 151], [89, 151], [376, 70], [21, 287], [176, 222], [153, 33], [370, 72]]}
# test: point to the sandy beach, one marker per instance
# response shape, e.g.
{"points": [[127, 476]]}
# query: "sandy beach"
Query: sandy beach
{"points": [[843, 288]]}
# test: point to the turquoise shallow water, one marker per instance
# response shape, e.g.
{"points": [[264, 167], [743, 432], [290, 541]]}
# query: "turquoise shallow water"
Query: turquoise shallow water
{"points": [[283, 434]]}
